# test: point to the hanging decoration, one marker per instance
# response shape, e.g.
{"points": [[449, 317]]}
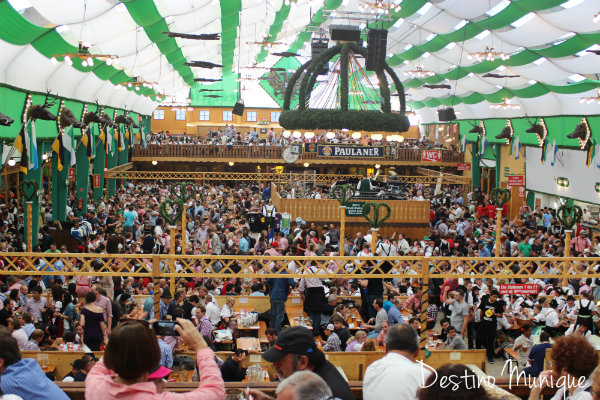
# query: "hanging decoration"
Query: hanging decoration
{"points": [[370, 212], [489, 54], [346, 99], [540, 130], [582, 133], [507, 132]]}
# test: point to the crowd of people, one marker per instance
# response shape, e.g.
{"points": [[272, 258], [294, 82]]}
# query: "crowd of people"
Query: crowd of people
{"points": [[230, 136], [84, 312]]}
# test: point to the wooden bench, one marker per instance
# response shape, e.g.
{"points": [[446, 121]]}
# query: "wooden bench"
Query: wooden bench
{"points": [[353, 363], [262, 335]]}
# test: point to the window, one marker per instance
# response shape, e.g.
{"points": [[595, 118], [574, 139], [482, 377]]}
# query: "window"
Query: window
{"points": [[251, 116], [227, 116], [275, 116], [159, 114], [180, 114], [204, 115]]}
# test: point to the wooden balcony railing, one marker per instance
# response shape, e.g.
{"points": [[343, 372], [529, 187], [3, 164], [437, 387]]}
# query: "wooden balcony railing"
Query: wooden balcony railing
{"points": [[224, 152]]}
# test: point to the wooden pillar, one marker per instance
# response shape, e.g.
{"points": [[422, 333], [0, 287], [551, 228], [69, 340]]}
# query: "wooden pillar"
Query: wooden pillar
{"points": [[374, 232], [183, 229], [498, 231], [29, 227], [567, 253], [342, 229], [424, 301], [172, 231], [156, 278]]}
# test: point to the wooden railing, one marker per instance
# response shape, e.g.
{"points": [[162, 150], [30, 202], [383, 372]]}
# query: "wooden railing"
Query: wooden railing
{"points": [[225, 152], [247, 266]]}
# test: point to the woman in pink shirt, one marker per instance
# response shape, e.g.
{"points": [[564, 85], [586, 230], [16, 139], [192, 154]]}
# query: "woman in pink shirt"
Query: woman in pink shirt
{"points": [[132, 353]]}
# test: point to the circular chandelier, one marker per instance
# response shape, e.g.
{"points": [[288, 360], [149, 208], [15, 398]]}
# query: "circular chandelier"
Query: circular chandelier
{"points": [[489, 54], [590, 100], [379, 7], [505, 105], [87, 58], [419, 72]]}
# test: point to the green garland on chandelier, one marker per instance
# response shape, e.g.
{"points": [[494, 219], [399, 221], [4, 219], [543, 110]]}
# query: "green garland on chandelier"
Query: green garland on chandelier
{"points": [[364, 120]]}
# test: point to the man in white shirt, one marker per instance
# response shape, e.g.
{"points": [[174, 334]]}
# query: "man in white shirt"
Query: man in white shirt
{"points": [[403, 246], [381, 377], [212, 310]]}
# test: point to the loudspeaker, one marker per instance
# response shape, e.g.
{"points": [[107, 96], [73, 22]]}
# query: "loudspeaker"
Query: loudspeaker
{"points": [[238, 108], [346, 33], [446, 114], [376, 48], [317, 46]]}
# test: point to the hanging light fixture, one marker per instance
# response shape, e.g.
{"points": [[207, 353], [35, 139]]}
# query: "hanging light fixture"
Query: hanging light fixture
{"points": [[379, 7], [297, 134], [356, 135], [505, 105], [330, 135], [286, 134], [87, 58], [419, 72], [377, 136], [596, 18], [309, 135], [489, 54], [590, 100]]}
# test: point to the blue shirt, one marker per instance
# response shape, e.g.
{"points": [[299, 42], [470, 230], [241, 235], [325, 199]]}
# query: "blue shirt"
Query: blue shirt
{"points": [[394, 315], [244, 245], [547, 217], [387, 305], [149, 307], [129, 218], [279, 290], [537, 354], [25, 378], [166, 354]]}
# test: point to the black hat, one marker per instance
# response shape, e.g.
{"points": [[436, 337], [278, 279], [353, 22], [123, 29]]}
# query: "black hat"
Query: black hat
{"points": [[294, 340], [166, 295]]}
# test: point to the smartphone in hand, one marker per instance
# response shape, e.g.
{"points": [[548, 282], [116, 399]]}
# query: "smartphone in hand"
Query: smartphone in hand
{"points": [[165, 328]]}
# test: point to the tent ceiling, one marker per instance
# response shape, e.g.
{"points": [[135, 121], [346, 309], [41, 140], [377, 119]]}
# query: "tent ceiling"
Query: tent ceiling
{"points": [[546, 39]]}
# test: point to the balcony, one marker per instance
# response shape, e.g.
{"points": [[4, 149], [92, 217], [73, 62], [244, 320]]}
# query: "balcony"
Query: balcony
{"points": [[273, 154]]}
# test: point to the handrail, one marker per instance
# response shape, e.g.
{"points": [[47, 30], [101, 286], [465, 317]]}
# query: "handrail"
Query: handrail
{"points": [[250, 266], [267, 152]]}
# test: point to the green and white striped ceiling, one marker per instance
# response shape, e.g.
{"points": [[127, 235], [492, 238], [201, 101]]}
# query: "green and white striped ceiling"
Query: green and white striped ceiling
{"points": [[547, 41]]}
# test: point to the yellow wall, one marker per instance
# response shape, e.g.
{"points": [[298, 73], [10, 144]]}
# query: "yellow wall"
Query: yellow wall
{"points": [[192, 125]]}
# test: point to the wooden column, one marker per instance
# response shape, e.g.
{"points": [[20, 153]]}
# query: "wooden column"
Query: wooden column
{"points": [[156, 278], [374, 232], [424, 301], [567, 253], [498, 231], [342, 229], [183, 228], [29, 227], [172, 231]]}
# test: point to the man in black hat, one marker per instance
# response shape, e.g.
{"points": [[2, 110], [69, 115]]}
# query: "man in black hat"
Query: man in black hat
{"points": [[294, 350]]}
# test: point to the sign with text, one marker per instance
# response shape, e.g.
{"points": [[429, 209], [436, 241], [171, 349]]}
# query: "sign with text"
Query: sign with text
{"points": [[431, 155], [463, 166], [342, 150], [522, 191], [71, 174], [516, 180], [96, 180], [519, 288], [295, 148], [354, 208]]}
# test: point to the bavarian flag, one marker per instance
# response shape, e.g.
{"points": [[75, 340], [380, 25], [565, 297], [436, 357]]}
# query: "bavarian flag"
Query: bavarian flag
{"points": [[64, 147], [88, 139], [26, 145], [110, 136], [118, 135], [590, 152]]}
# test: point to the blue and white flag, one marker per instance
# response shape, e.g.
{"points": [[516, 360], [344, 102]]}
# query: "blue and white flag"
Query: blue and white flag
{"points": [[463, 144], [554, 151], [484, 144], [516, 147]]}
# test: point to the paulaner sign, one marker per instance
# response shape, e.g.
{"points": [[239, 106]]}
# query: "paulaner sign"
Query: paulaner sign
{"points": [[340, 150]]}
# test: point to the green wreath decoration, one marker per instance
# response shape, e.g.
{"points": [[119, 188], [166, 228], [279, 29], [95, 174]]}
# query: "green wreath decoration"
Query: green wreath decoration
{"points": [[569, 216], [500, 196], [376, 220], [28, 189], [169, 203], [184, 193], [363, 120], [343, 194]]}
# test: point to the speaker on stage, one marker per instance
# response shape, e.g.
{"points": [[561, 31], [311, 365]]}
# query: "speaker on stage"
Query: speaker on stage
{"points": [[376, 49], [238, 108], [446, 114], [317, 46]]}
